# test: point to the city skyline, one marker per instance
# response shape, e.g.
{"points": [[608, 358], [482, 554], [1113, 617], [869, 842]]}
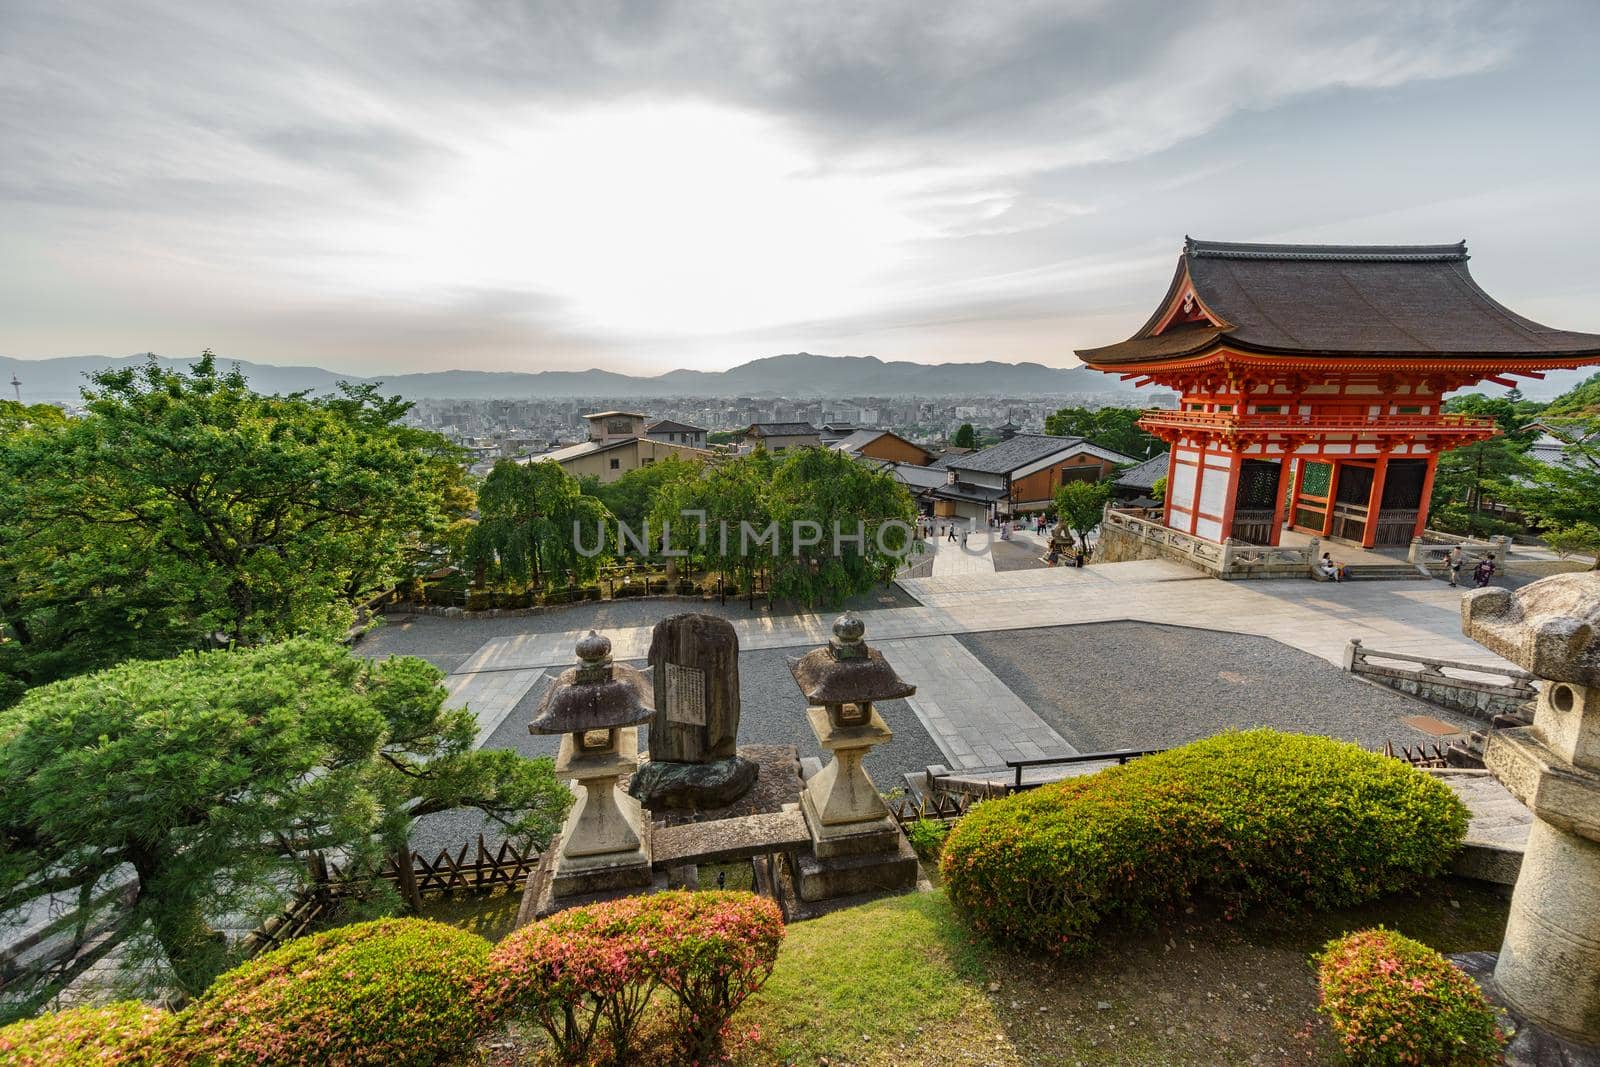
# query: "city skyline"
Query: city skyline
{"points": [[658, 186]]}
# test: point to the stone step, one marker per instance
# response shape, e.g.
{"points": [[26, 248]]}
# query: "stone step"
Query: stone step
{"points": [[1383, 572]]}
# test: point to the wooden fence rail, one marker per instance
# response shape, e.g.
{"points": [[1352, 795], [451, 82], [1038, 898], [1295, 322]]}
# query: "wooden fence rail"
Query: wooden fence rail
{"points": [[414, 875]]}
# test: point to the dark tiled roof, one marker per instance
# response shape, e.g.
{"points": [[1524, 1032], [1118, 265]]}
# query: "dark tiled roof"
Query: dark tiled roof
{"points": [[1145, 474], [979, 494], [1356, 300], [781, 429], [1021, 450], [668, 426]]}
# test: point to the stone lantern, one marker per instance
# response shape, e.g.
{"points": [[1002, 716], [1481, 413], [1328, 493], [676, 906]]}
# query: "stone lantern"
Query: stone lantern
{"points": [[1548, 970], [597, 708], [856, 844]]}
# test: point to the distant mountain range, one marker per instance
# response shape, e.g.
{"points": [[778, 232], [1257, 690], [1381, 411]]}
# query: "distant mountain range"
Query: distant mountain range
{"points": [[796, 374]]}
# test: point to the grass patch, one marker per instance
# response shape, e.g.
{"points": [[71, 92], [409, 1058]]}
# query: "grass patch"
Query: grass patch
{"points": [[895, 981], [904, 981]]}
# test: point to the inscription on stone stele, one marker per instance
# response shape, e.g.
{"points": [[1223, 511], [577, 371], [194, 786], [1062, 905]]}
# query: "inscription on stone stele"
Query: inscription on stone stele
{"points": [[686, 695]]}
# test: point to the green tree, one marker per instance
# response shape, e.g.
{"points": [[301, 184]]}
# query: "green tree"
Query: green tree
{"points": [[1470, 476], [1581, 401], [532, 517], [1080, 505], [1563, 499], [215, 776], [1113, 428], [822, 490], [198, 510], [631, 497], [966, 436]]}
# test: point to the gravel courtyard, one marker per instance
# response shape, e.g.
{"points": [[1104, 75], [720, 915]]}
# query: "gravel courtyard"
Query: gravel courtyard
{"points": [[1139, 685]]}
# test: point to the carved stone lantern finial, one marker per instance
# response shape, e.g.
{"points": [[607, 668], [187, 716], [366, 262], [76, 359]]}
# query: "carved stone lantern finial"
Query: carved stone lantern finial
{"points": [[1549, 963]]}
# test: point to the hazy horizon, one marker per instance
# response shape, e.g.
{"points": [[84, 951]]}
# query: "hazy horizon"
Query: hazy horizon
{"points": [[639, 187]]}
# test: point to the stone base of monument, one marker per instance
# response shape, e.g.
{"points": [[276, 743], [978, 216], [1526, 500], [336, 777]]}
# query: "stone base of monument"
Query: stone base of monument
{"points": [[818, 878], [1530, 1045], [550, 890], [873, 836], [663, 785]]}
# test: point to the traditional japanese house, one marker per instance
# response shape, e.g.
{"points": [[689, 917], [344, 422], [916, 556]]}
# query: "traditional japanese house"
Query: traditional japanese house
{"points": [[1312, 379]]}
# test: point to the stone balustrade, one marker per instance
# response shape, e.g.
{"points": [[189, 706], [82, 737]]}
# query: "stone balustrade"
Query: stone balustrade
{"points": [[1485, 692], [1126, 535]]}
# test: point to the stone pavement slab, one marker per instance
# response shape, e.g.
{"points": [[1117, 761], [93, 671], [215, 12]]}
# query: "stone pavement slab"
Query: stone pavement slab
{"points": [[488, 694], [1316, 617], [951, 558], [972, 716]]}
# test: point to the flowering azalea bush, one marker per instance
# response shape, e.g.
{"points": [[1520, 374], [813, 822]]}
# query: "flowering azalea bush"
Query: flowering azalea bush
{"points": [[392, 992], [582, 966], [123, 1034], [714, 951], [1250, 816], [576, 968], [1393, 1000]]}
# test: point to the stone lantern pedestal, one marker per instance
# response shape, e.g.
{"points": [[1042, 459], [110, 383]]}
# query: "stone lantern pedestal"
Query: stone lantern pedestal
{"points": [[596, 707], [856, 846], [1548, 970], [605, 840]]}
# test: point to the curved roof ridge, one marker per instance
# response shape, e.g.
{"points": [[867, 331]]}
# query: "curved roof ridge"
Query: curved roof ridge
{"points": [[1337, 253]]}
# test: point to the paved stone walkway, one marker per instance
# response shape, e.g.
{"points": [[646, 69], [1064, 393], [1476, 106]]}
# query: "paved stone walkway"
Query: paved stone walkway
{"points": [[951, 558], [490, 694], [976, 721], [1316, 617], [974, 718]]}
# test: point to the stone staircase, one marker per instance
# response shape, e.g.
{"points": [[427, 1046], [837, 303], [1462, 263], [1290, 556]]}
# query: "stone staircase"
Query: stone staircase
{"points": [[1398, 571]]}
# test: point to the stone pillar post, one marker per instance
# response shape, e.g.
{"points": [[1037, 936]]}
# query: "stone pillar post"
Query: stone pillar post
{"points": [[1549, 964]]}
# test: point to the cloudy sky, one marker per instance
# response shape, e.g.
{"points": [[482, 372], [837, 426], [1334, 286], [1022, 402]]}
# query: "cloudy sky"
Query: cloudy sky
{"points": [[395, 185]]}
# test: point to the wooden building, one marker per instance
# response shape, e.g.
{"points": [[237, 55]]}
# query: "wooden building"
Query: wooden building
{"points": [[1020, 475], [883, 445], [1312, 379]]}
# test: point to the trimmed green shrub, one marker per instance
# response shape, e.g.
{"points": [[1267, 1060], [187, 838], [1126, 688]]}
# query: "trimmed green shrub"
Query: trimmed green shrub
{"points": [[479, 600], [392, 992], [1252, 816], [124, 1034], [1396, 1001], [711, 950]]}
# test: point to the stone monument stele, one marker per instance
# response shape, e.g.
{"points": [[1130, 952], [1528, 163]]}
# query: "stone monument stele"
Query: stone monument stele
{"points": [[855, 843], [694, 734], [1548, 968], [597, 707]]}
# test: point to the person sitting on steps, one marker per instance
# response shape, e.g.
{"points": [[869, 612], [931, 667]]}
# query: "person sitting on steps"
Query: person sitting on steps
{"points": [[1329, 569]]}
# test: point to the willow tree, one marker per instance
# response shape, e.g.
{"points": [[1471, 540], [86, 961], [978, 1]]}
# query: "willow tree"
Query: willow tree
{"points": [[533, 519], [861, 517]]}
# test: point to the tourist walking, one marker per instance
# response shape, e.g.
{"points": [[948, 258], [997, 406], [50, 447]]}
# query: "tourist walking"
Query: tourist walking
{"points": [[952, 534], [1484, 571], [1454, 561]]}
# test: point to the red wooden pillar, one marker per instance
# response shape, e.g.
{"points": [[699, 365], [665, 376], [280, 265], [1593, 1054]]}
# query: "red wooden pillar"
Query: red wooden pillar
{"points": [[1427, 495], [1231, 495], [1285, 487], [1369, 533], [1296, 488], [1199, 477], [1333, 491], [1166, 497]]}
